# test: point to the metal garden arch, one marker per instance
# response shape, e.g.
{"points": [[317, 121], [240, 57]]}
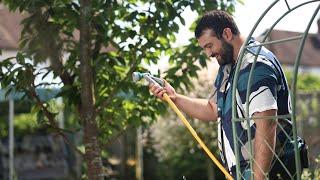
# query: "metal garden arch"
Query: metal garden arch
{"points": [[293, 90]]}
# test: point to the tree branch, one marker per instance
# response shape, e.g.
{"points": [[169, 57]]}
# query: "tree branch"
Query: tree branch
{"points": [[52, 121], [57, 66]]}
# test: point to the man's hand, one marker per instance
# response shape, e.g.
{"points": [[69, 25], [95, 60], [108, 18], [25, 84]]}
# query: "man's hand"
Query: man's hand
{"points": [[158, 91], [202, 109], [264, 143]]}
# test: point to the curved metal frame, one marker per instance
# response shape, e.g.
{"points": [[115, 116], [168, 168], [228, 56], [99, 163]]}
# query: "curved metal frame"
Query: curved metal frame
{"points": [[292, 93]]}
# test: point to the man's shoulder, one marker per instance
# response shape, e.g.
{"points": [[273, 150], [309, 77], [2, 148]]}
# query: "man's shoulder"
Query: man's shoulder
{"points": [[258, 54]]}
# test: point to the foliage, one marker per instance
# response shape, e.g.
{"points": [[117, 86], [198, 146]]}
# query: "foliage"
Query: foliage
{"points": [[315, 174], [24, 121], [137, 32], [140, 31], [178, 153], [305, 81], [307, 103]]}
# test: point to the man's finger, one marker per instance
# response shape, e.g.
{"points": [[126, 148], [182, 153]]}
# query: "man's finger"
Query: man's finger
{"points": [[151, 85], [162, 92], [153, 88], [156, 91]]}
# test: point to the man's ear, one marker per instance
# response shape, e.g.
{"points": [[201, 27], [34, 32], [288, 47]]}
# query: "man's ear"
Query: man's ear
{"points": [[227, 34]]}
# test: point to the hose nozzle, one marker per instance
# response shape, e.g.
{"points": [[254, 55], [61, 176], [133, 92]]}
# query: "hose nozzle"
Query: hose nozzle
{"points": [[136, 76]]}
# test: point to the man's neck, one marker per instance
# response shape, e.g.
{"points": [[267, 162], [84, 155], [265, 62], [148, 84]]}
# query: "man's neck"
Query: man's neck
{"points": [[238, 41]]}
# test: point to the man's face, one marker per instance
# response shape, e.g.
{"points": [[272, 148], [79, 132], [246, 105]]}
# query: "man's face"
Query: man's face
{"points": [[218, 48]]}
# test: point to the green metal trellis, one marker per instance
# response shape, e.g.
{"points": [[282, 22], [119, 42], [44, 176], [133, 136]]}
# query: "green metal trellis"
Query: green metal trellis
{"points": [[293, 91]]}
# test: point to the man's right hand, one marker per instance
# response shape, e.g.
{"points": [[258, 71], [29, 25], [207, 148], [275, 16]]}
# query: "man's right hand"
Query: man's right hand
{"points": [[198, 108], [158, 91]]}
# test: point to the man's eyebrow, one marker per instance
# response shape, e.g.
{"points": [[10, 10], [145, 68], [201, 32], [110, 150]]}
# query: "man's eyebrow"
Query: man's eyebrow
{"points": [[206, 45]]}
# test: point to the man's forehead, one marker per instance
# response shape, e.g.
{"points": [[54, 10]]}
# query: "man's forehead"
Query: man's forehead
{"points": [[206, 37], [209, 32]]}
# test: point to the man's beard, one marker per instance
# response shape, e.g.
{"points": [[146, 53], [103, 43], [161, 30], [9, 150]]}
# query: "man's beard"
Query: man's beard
{"points": [[226, 53]]}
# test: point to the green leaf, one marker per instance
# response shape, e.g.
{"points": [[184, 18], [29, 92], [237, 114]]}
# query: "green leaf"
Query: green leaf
{"points": [[41, 117], [20, 58], [203, 61]]}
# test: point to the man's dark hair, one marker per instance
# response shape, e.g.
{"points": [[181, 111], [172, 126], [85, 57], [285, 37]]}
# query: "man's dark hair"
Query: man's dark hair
{"points": [[217, 21]]}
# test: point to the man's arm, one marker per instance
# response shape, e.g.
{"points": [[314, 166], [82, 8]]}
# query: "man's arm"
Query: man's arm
{"points": [[202, 109], [264, 143]]}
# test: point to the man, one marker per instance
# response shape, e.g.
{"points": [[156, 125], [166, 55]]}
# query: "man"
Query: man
{"points": [[220, 38]]}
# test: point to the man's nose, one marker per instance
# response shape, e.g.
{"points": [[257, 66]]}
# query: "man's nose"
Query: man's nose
{"points": [[208, 52]]}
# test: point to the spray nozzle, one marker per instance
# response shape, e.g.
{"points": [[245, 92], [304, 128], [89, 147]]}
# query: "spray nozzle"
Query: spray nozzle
{"points": [[136, 76]]}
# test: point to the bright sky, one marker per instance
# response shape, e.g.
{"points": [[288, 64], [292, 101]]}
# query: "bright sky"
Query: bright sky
{"points": [[246, 15]]}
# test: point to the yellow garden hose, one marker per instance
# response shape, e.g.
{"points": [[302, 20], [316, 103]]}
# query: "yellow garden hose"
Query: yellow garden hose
{"points": [[195, 135]]}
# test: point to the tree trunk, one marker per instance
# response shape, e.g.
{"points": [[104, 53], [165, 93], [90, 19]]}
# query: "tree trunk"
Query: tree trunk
{"points": [[92, 155], [87, 112], [139, 155]]}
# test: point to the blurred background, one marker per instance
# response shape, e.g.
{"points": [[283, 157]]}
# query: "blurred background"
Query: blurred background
{"points": [[68, 106]]}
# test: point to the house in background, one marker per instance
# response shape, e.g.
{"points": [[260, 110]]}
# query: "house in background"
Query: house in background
{"points": [[10, 30], [286, 52]]}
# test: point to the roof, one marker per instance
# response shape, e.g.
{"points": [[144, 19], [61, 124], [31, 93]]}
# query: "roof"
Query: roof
{"points": [[286, 52], [10, 28]]}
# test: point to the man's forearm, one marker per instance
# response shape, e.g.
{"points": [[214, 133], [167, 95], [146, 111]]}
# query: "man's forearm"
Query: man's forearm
{"points": [[263, 154], [196, 108], [264, 146]]}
